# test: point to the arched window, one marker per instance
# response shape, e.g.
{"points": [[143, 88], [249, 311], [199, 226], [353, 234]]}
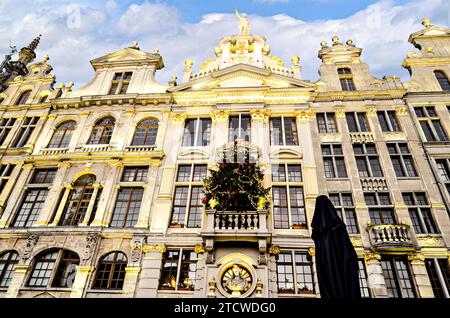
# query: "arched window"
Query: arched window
{"points": [[111, 271], [62, 135], [78, 201], [102, 131], [55, 268], [443, 80], [23, 97], [146, 132], [8, 261], [44, 99], [346, 79]]}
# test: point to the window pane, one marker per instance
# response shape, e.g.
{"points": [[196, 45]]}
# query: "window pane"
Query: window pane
{"points": [[290, 127], [189, 133], [276, 137], [280, 208]]}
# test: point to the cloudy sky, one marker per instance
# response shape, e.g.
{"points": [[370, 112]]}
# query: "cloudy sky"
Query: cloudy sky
{"points": [[74, 32]]}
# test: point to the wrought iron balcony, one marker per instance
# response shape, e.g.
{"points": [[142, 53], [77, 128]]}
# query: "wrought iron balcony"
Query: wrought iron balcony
{"points": [[390, 236], [248, 225]]}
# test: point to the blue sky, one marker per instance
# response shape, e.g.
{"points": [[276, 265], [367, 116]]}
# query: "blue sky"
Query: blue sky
{"points": [[74, 32]]}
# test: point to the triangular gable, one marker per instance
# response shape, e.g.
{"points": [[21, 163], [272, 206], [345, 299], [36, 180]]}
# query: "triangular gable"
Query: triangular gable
{"points": [[242, 76], [128, 55]]}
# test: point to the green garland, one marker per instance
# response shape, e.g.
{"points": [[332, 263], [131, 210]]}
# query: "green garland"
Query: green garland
{"points": [[236, 187]]}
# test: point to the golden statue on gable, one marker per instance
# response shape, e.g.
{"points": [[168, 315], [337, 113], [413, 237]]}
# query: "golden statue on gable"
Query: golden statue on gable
{"points": [[244, 24]]}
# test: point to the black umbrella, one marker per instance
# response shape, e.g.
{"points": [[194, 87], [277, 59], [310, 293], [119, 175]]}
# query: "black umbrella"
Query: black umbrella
{"points": [[336, 260]]}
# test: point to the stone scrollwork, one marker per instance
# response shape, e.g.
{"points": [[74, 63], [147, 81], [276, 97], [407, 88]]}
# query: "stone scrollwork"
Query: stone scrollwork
{"points": [[401, 111], [29, 247], [91, 240], [199, 249], [416, 258], [305, 115], [372, 257], [219, 115], [260, 115], [153, 248], [429, 241], [178, 118]]}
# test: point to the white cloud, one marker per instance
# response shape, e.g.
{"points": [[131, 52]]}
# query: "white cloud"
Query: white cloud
{"points": [[381, 29]]}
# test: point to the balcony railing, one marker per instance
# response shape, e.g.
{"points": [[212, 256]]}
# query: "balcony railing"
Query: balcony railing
{"points": [[53, 151], [139, 148], [374, 184], [236, 223], [386, 236], [362, 137], [95, 148]]}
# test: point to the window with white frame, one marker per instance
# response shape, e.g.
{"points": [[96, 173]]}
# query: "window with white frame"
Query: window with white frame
{"points": [[326, 123], [344, 206], [187, 207], [295, 273], [388, 120], [420, 212], [6, 124], [439, 273], [240, 127], [288, 197], [129, 197], [27, 127], [179, 269], [197, 132], [283, 131], [402, 160], [333, 161], [430, 123], [34, 197]]}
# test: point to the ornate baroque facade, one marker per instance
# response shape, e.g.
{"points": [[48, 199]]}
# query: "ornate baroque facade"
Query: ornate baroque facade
{"points": [[101, 187]]}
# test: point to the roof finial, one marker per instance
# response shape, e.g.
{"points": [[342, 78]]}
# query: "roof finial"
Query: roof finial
{"points": [[244, 25], [426, 22], [34, 44]]}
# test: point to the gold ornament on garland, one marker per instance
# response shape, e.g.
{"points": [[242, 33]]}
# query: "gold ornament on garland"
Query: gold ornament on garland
{"points": [[261, 203], [212, 203]]}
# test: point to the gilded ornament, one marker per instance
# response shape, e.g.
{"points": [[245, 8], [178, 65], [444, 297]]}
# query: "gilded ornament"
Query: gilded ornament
{"points": [[199, 249], [401, 111], [146, 248], [311, 251], [372, 257], [274, 250], [371, 112]]}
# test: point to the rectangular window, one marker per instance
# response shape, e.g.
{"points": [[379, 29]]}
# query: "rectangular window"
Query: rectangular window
{"points": [[5, 173], [367, 161], [294, 273], [134, 174], [346, 79], [439, 274], [333, 161], [34, 197], [26, 129], [420, 212], [397, 276], [343, 203], [357, 122], [239, 127], [363, 280], [197, 132], [326, 123], [381, 210], [6, 124], [120, 83], [178, 273], [288, 197], [128, 205], [187, 210], [402, 160], [388, 120], [430, 123], [443, 167], [283, 131]]}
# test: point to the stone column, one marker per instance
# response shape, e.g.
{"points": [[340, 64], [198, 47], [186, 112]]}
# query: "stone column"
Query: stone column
{"points": [[105, 204], [18, 280], [62, 204], [312, 253], [272, 287], [79, 132], [219, 131], [131, 278], [147, 286], [200, 276], [53, 196], [311, 188], [16, 193], [90, 208], [424, 288], [375, 276], [81, 281], [161, 212], [147, 197], [45, 137]]}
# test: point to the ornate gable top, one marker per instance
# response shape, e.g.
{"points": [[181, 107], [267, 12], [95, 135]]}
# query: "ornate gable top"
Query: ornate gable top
{"points": [[429, 31], [243, 48]]}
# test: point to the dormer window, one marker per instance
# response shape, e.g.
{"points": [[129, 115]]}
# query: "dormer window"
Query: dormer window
{"points": [[346, 79], [443, 80], [120, 83], [23, 97]]}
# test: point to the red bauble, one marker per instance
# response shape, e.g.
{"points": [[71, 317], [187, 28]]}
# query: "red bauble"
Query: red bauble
{"points": [[205, 200]]}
